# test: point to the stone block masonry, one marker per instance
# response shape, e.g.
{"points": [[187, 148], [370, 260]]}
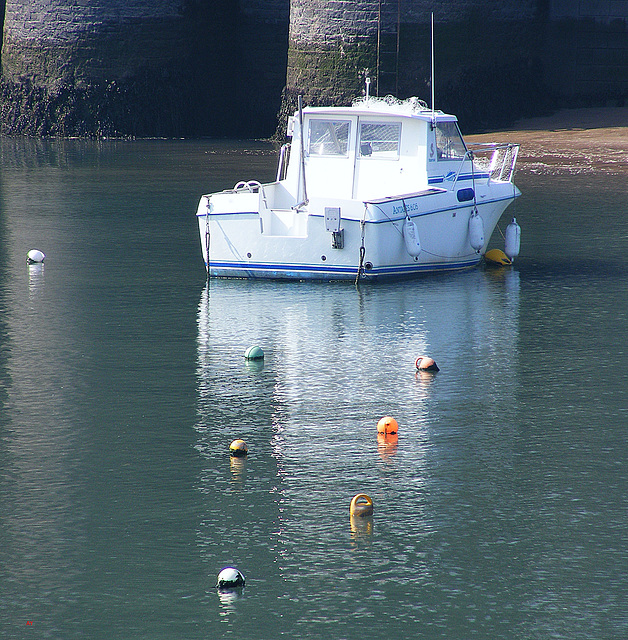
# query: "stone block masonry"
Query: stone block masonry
{"points": [[142, 67], [496, 60], [226, 67]]}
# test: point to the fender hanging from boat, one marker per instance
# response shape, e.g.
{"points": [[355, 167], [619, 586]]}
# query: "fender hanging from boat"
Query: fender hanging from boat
{"points": [[512, 242], [411, 238], [476, 231]]}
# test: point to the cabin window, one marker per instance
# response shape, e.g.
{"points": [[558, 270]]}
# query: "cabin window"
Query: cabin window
{"points": [[380, 140], [328, 138], [449, 143]]}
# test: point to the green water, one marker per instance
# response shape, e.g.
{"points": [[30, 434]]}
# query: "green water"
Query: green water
{"points": [[501, 511]]}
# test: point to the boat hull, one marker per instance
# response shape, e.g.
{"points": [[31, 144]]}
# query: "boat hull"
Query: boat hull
{"points": [[242, 239]]}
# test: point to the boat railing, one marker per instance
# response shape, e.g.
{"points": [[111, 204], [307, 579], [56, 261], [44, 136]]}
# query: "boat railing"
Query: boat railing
{"points": [[284, 157], [496, 159]]}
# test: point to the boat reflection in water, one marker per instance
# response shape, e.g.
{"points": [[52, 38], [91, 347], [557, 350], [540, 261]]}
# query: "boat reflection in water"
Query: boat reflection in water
{"points": [[337, 359]]}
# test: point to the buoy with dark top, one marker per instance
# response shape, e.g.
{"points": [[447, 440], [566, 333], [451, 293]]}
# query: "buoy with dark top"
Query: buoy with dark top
{"points": [[425, 363], [254, 353], [230, 578], [387, 425], [238, 448], [361, 505]]}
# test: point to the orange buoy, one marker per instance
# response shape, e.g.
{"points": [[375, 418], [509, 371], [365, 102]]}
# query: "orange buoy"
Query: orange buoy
{"points": [[425, 363], [361, 505], [387, 425]]}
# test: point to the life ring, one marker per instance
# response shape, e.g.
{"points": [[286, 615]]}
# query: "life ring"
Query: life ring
{"points": [[361, 505], [251, 185]]}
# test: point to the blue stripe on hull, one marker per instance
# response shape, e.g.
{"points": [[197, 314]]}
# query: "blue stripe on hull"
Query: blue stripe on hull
{"points": [[316, 272]]}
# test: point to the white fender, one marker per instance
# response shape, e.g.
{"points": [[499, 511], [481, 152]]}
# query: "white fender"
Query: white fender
{"points": [[512, 241], [476, 231], [411, 238]]}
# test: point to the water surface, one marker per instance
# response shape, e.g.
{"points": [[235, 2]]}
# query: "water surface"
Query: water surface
{"points": [[499, 512]]}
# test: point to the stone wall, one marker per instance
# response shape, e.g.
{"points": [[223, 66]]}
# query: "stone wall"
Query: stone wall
{"points": [[496, 60], [485, 52], [52, 40], [142, 67], [209, 67], [587, 44]]}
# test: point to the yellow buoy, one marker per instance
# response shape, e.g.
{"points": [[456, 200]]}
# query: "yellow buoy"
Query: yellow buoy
{"points": [[238, 448], [361, 505], [497, 257], [387, 425]]}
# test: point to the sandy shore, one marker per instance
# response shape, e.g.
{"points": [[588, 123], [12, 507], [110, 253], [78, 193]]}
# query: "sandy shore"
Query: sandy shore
{"points": [[570, 141]]}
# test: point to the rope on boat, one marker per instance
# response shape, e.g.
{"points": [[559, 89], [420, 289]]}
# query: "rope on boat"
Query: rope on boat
{"points": [[400, 232], [362, 248], [514, 207]]}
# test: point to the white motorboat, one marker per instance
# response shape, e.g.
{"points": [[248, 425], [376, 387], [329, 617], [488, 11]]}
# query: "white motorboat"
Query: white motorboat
{"points": [[383, 188]]}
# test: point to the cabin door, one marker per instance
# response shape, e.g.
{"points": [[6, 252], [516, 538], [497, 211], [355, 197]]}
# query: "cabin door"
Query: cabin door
{"points": [[330, 156]]}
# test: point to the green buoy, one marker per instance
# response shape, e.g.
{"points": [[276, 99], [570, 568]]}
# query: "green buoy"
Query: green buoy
{"points": [[254, 353]]}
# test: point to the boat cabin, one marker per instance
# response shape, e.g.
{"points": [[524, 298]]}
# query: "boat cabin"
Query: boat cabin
{"points": [[372, 149]]}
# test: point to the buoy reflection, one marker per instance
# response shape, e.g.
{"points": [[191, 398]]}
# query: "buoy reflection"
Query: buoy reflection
{"points": [[426, 377], [387, 445], [361, 527], [254, 366], [238, 470], [35, 278], [228, 599]]}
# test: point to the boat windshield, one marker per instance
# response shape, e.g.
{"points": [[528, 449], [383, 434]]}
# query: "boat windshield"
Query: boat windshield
{"points": [[449, 143], [328, 138]]}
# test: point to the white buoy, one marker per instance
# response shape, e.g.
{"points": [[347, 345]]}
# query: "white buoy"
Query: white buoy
{"points": [[476, 231], [35, 256], [512, 242], [411, 238], [230, 578]]}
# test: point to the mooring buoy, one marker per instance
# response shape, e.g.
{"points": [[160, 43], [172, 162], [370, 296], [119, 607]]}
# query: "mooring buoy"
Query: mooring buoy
{"points": [[254, 353], [361, 505], [238, 448], [35, 256], [387, 425], [497, 257], [230, 578], [425, 363]]}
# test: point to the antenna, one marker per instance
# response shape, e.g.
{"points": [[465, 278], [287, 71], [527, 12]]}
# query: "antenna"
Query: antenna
{"points": [[432, 79]]}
